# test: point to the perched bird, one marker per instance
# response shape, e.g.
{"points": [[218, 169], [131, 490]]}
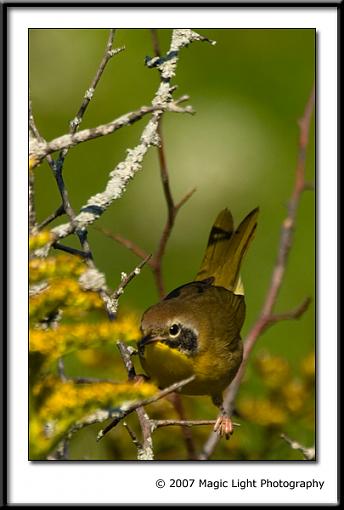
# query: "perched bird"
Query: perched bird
{"points": [[195, 329]]}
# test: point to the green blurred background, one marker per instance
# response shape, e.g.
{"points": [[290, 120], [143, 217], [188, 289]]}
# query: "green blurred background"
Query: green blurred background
{"points": [[239, 151]]}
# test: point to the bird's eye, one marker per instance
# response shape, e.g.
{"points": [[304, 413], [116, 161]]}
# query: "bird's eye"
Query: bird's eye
{"points": [[174, 330]]}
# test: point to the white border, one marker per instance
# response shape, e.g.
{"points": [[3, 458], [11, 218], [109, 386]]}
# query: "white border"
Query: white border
{"points": [[102, 483]]}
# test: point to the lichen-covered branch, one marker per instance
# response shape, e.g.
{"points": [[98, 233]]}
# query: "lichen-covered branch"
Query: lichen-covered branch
{"points": [[125, 171], [39, 150]]}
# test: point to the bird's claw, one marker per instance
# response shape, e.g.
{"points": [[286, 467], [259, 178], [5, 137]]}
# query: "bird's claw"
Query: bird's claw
{"points": [[140, 378], [224, 426]]}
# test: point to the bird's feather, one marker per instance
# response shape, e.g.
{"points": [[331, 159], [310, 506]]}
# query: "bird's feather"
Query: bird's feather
{"points": [[225, 250]]}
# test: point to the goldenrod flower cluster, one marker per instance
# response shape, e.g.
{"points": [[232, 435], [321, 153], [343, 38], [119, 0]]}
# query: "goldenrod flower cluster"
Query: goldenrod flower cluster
{"points": [[287, 395], [62, 266], [68, 338], [56, 405], [64, 404], [66, 294], [40, 239]]}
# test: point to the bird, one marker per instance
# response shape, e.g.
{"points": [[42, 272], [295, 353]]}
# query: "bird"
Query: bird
{"points": [[195, 329]]}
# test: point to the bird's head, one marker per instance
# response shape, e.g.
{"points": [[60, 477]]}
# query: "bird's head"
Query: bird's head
{"points": [[170, 323]]}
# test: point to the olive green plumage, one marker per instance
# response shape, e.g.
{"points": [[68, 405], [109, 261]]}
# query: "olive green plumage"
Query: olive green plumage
{"points": [[195, 330]]}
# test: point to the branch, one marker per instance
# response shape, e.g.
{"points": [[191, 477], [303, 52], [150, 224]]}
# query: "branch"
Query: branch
{"points": [[184, 423], [134, 248], [127, 278], [40, 150], [122, 413], [267, 316], [109, 53], [72, 251], [145, 449], [126, 170], [59, 211], [75, 123], [32, 209], [308, 453], [137, 443]]}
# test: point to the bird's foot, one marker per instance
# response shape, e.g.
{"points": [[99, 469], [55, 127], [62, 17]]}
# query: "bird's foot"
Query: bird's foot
{"points": [[140, 378], [224, 426]]}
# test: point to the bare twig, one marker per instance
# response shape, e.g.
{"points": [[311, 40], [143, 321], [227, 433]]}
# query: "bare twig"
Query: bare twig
{"points": [[59, 211], [109, 53], [267, 316], [75, 123], [139, 252], [61, 370], [155, 262], [308, 453], [122, 413], [72, 251], [32, 210], [172, 210], [126, 278], [134, 438], [184, 423]]}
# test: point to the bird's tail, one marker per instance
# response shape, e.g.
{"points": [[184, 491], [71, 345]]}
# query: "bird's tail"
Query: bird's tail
{"points": [[225, 250]]}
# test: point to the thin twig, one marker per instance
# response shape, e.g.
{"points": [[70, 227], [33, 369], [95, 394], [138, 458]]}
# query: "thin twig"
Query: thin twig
{"points": [[184, 423], [61, 370], [153, 262], [59, 211], [133, 436], [134, 248], [109, 53], [72, 251], [32, 209], [75, 123], [308, 453], [126, 278], [267, 316], [122, 413]]}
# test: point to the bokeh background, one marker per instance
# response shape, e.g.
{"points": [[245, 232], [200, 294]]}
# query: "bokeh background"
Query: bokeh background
{"points": [[239, 151]]}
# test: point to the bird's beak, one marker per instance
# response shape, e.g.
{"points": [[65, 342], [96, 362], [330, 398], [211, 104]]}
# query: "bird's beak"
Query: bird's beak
{"points": [[149, 339]]}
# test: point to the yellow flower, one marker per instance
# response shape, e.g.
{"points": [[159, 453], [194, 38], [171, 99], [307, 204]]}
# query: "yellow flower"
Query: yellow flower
{"points": [[275, 370], [262, 411], [39, 240]]}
